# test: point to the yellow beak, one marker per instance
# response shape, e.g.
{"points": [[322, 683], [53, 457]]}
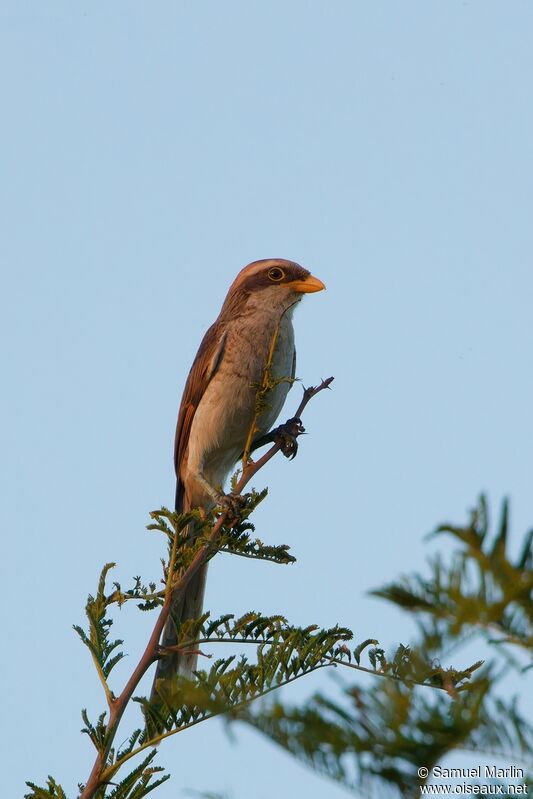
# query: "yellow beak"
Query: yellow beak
{"points": [[308, 285]]}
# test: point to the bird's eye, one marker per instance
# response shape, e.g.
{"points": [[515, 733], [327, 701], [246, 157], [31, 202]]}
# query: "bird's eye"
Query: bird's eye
{"points": [[276, 274]]}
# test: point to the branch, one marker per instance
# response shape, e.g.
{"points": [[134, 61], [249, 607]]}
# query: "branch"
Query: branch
{"points": [[252, 467]]}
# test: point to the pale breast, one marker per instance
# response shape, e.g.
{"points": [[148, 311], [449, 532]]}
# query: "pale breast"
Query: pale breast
{"points": [[282, 370], [227, 409]]}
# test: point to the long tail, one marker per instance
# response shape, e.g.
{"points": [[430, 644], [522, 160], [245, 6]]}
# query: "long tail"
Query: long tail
{"points": [[187, 606]]}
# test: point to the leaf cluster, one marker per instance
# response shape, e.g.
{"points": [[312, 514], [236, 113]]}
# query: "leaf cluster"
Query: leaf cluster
{"points": [[283, 653], [373, 741], [481, 590]]}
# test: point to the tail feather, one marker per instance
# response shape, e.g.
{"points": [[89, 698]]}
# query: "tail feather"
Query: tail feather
{"points": [[187, 606]]}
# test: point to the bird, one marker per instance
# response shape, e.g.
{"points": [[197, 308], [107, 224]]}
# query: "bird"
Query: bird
{"points": [[218, 409]]}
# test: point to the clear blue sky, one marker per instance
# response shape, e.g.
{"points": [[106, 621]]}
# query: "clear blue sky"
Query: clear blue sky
{"points": [[150, 150]]}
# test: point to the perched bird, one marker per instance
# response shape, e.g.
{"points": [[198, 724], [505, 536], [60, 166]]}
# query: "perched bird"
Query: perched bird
{"points": [[219, 404]]}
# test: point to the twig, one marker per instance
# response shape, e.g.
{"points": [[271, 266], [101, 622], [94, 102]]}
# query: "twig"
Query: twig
{"points": [[253, 467]]}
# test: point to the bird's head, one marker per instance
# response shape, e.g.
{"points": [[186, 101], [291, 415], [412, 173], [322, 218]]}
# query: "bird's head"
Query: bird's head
{"points": [[273, 282]]}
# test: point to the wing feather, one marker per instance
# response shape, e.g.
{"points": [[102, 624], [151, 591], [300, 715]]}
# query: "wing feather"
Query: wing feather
{"points": [[204, 367]]}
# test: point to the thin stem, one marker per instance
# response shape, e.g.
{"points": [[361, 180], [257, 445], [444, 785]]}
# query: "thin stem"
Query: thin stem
{"points": [[260, 396], [121, 599], [171, 562], [402, 680], [262, 558], [101, 676], [252, 467], [266, 385]]}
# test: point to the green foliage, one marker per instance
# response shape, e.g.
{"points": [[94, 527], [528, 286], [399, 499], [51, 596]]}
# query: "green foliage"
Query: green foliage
{"points": [[146, 596], [481, 591], [139, 782], [52, 791], [234, 539], [410, 666], [207, 795], [97, 638], [373, 741], [283, 653], [237, 541]]}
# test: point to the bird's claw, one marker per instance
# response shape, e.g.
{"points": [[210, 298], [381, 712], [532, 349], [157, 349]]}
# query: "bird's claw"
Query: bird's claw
{"points": [[286, 436], [232, 505]]}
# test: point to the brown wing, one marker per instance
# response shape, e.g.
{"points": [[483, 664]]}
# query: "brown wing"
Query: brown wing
{"points": [[205, 365]]}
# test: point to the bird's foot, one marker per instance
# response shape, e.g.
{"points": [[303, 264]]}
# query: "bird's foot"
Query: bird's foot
{"points": [[232, 505], [286, 436]]}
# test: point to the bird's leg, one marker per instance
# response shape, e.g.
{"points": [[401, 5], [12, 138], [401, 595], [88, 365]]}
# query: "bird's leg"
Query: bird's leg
{"points": [[231, 504]]}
